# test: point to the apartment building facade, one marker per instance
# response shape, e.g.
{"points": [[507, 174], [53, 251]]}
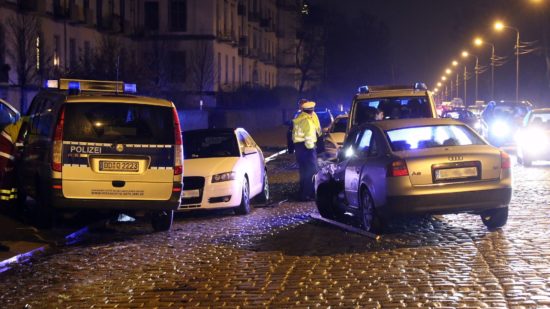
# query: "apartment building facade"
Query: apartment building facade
{"points": [[194, 48]]}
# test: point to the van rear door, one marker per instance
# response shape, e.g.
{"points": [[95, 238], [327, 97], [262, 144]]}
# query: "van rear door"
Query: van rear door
{"points": [[118, 151]]}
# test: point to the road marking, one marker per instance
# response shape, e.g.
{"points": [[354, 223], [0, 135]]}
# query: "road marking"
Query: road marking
{"points": [[346, 227]]}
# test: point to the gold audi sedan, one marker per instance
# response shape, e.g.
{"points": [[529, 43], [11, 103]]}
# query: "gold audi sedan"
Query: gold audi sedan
{"points": [[414, 167]]}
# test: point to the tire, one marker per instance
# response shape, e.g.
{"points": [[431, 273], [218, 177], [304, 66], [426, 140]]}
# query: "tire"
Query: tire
{"points": [[244, 207], [325, 200], [43, 214], [162, 220], [495, 218], [263, 197], [368, 219]]}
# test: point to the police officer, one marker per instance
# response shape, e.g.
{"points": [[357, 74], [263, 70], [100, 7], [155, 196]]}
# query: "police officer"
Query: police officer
{"points": [[305, 130], [8, 139]]}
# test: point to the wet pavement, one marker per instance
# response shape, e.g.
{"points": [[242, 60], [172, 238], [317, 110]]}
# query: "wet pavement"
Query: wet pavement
{"points": [[278, 256]]}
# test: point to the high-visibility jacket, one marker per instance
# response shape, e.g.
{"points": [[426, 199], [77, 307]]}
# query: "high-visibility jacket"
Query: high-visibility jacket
{"points": [[305, 130], [8, 139]]}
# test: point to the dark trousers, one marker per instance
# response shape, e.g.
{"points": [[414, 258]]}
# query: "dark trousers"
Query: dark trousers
{"points": [[307, 164]]}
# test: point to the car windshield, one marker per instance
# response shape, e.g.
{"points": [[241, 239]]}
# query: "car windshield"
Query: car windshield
{"points": [[540, 119], [119, 123], [392, 108], [209, 144], [432, 137], [340, 125], [506, 111]]}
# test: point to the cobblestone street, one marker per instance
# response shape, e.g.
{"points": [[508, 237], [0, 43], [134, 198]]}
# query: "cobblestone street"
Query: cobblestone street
{"points": [[280, 257]]}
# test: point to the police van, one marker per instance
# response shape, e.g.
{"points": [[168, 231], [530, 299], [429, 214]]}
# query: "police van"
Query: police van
{"points": [[95, 144]]}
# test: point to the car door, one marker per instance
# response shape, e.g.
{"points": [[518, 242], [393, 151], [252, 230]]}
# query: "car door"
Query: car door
{"points": [[355, 165], [255, 161]]}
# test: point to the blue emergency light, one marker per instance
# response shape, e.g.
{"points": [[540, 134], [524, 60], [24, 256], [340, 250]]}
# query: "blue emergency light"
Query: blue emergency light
{"points": [[130, 88], [420, 86], [363, 89], [74, 85]]}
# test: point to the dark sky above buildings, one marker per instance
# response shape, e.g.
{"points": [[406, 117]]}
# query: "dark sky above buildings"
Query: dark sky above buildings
{"points": [[425, 35]]}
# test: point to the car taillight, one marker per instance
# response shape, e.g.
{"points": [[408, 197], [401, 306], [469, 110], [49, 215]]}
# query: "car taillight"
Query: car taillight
{"points": [[178, 147], [57, 150], [398, 168], [505, 162]]}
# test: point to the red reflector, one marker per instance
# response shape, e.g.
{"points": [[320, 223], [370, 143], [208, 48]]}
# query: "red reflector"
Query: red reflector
{"points": [[505, 162], [178, 170], [176, 189], [399, 168], [58, 167], [57, 187]]}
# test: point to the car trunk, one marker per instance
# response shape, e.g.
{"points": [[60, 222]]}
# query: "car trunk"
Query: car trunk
{"points": [[118, 151], [452, 164]]}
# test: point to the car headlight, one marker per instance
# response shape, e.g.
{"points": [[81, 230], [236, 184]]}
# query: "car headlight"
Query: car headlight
{"points": [[477, 125], [223, 177], [500, 129], [533, 140]]}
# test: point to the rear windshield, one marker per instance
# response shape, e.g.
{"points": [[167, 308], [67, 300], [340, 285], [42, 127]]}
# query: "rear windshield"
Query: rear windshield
{"points": [[506, 111], [205, 144], [392, 108], [119, 123], [432, 137]]}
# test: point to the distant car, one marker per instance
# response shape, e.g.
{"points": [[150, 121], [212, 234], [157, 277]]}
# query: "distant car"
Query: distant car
{"points": [[334, 138], [224, 168], [501, 120], [465, 116], [391, 102], [533, 138], [8, 114], [412, 167]]}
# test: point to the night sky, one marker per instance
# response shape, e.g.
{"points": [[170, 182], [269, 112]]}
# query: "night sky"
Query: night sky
{"points": [[422, 38]]}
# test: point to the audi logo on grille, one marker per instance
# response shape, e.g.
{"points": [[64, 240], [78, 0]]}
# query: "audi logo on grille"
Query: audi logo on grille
{"points": [[456, 158]]}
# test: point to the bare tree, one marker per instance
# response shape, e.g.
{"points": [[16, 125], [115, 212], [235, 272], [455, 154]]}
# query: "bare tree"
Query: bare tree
{"points": [[309, 54], [201, 67], [23, 36]]}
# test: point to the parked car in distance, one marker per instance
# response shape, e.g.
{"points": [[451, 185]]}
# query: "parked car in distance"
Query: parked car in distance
{"points": [[8, 114], [97, 145], [502, 119], [391, 102], [412, 167], [224, 168], [334, 138], [465, 116], [533, 138]]}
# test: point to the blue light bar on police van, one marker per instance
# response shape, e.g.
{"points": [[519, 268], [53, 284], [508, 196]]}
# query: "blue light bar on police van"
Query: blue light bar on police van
{"points": [[420, 86], [51, 84], [73, 85], [130, 88], [363, 89]]}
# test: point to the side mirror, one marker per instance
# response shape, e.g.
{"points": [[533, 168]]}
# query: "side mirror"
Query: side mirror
{"points": [[249, 151]]}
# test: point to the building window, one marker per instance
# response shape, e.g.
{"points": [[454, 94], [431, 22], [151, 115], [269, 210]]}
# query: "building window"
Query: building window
{"points": [[177, 66], [233, 70], [178, 15], [219, 70], [151, 16], [72, 54], [226, 68]]}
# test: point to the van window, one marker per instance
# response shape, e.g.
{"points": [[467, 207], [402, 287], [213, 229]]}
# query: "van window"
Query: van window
{"points": [[119, 123], [392, 108]]}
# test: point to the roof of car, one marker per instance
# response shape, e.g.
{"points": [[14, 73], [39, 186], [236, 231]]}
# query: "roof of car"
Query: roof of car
{"points": [[413, 122], [392, 93], [541, 110], [116, 98], [212, 130]]}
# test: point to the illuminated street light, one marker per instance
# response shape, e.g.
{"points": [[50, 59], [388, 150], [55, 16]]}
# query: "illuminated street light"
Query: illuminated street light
{"points": [[479, 42], [443, 78], [439, 84], [448, 71], [455, 63], [499, 26]]}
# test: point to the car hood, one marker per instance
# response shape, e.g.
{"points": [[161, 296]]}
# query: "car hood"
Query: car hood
{"points": [[209, 166]]}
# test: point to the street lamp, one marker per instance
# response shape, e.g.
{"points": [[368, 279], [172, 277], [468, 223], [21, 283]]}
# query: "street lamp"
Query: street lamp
{"points": [[499, 26], [478, 42], [465, 54]]}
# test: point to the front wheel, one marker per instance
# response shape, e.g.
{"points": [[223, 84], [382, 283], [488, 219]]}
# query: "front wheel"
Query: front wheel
{"points": [[162, 220], [325, 201], [264, 195], [368, 219], [244, 207], [495, 218]]}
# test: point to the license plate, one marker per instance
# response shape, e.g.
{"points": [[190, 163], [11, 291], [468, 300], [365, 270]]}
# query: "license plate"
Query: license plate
{"points": [[456, 173], [118, 166], [191, 193]]}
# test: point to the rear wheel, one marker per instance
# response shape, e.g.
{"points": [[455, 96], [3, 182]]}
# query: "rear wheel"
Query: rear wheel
{"points": [[368, 219], [495, 218], [264, 195], [325, 200], [162, 220], [244, 207], [43, 213]]}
